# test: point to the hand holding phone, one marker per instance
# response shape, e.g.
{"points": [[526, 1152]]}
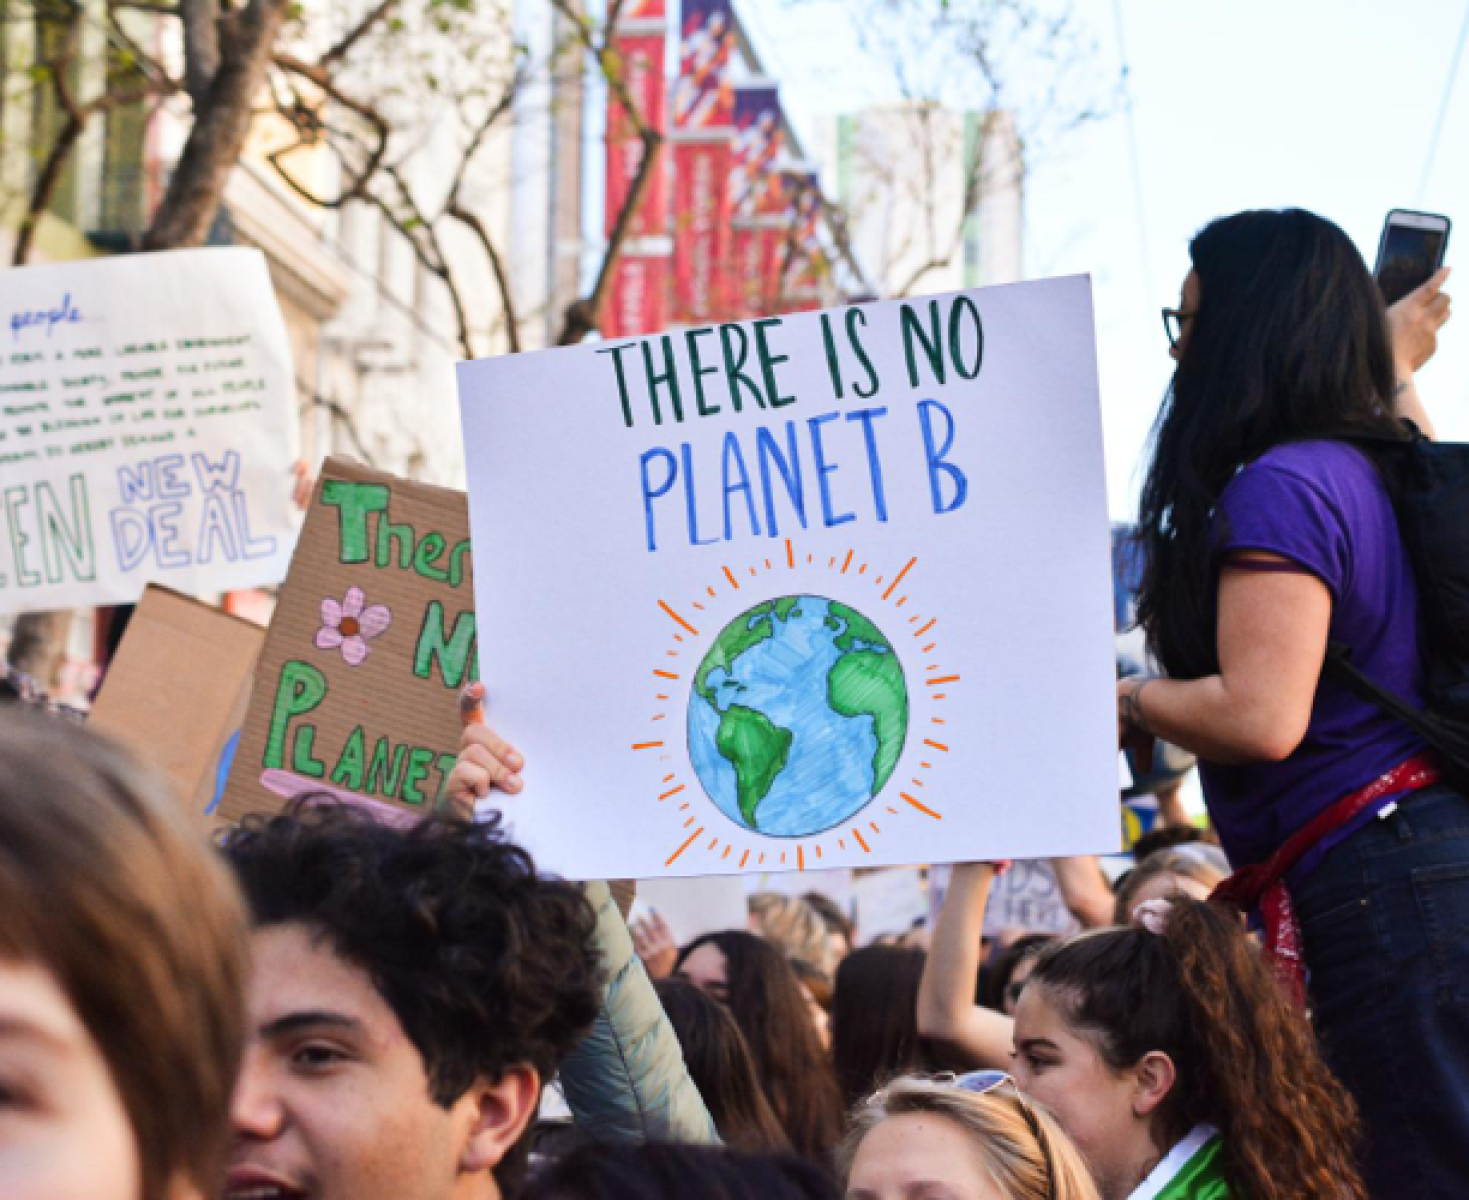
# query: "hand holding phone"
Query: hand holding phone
{"points": [[1414, 321], [1412, 248]]}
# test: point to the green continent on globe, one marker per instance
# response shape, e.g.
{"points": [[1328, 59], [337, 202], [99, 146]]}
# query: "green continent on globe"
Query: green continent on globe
{"points": [[735, 639], [859, 629], [870, 683], [758, 751]]}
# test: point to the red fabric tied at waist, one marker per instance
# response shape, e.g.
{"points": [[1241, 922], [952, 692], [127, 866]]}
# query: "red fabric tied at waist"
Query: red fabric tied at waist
{"points": [[1261, 888]]}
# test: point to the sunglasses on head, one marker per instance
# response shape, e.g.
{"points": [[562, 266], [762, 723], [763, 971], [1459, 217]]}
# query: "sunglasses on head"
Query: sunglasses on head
{"points": [[982, 1083]]}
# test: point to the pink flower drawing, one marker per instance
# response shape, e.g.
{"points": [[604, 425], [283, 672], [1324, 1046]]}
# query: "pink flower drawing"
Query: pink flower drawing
{"points": [[349, 626]]}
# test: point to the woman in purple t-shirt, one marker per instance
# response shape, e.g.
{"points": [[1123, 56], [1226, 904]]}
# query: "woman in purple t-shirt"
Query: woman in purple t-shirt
{"points": [[1265, 537]]}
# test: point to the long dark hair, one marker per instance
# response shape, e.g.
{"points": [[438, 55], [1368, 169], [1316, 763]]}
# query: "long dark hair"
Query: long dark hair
{"points": [[1289, 342], [718, 1058], [766, 1002], [874, 1020], [673, 1172], [1246, 1060], [1007, 963]]}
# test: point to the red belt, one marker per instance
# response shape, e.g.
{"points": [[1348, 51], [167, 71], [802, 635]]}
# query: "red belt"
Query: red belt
{"points": [[1261, 888]]}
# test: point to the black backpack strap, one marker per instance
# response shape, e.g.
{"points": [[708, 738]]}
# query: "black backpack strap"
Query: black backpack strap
{"points": [[1449, 737], [1339, 664]]}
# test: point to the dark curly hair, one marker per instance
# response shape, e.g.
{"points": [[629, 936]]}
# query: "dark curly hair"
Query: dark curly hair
{"points": [[485, 963], [1246, 1060], [668, 1172]]}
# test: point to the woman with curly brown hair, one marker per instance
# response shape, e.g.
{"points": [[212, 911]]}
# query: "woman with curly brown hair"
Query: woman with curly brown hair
{"points": [[1174, 1060]]}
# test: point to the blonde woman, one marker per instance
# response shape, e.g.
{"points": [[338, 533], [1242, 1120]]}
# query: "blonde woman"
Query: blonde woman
{"points": [[970, 1138], [794, 927]]}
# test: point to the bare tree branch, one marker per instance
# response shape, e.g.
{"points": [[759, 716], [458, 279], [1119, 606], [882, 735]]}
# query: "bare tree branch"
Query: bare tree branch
{"points": [[45, 186], [340, 51], [301, 116], [583, 316], [78, 116], [502, 277], [609, 62], [424, 239], [455, 209]]}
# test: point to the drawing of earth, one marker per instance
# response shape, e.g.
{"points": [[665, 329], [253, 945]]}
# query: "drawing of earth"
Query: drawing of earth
{"points": [[797, 716]]}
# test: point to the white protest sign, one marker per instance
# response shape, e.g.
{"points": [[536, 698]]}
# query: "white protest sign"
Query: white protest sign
{"points": [[694, 907], [1028, 897], [888, 903], [147, 429], [825, 590]]}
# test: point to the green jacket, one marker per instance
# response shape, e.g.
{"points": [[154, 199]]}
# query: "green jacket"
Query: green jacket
{"points": [[626, 1080], [1202, 1177], [1192, 1170]]}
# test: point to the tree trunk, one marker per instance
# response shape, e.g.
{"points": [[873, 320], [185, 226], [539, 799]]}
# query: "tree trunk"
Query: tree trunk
{"points": [[221, 124]]}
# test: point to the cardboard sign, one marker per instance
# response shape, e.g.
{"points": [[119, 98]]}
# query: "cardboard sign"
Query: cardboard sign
{"points": [[147, 429], [824, 590], [177, 691], [356, 695]]}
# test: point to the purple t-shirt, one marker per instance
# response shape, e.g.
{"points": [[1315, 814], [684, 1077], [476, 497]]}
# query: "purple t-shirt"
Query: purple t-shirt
{"points": [[1323, 505]]}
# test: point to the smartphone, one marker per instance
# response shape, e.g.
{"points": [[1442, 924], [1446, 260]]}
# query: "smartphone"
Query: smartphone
{"points": [[1412, 249]]}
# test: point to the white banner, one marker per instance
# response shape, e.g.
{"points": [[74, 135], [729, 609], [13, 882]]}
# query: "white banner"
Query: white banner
{"points": [[824, 590], [147, 429]]}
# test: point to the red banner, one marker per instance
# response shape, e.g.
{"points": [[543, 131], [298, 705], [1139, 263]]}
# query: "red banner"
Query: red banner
{"points": [[637, 301], [745, 282], [702, 113], [641, 57], [755, 200], [637, 298], [703, 93], [773, 245], [758, 142], [700, 229]]}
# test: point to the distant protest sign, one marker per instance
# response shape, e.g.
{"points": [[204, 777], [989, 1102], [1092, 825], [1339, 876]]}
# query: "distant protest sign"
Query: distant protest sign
{"points": [[356, 694], [824, 590], [147, 429], [1028, 898], [177, 691]]}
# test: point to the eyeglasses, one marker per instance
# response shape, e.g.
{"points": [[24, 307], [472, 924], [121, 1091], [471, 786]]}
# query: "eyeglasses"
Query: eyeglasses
{"points": [[1173, 319]]}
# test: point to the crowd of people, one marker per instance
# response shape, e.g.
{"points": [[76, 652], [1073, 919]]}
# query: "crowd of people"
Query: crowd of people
{"points": [[1273, 1006]]}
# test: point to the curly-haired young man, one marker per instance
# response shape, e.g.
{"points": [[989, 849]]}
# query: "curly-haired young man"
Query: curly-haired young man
{"points": [[412, 990]]}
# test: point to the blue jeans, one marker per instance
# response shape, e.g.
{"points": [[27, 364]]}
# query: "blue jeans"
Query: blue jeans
{"points": [[1386, 924]]}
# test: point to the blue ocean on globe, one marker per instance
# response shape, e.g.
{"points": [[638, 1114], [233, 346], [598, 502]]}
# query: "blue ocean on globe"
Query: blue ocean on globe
{"points": [[786, 677]]}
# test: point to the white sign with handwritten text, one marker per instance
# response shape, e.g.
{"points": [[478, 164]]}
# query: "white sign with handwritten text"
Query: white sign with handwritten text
{"points": [[147, 429], [815, 591]]}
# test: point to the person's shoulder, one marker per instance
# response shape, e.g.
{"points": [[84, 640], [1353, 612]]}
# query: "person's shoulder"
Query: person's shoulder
{"points": [[1327, 469], [1314, 459]]}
